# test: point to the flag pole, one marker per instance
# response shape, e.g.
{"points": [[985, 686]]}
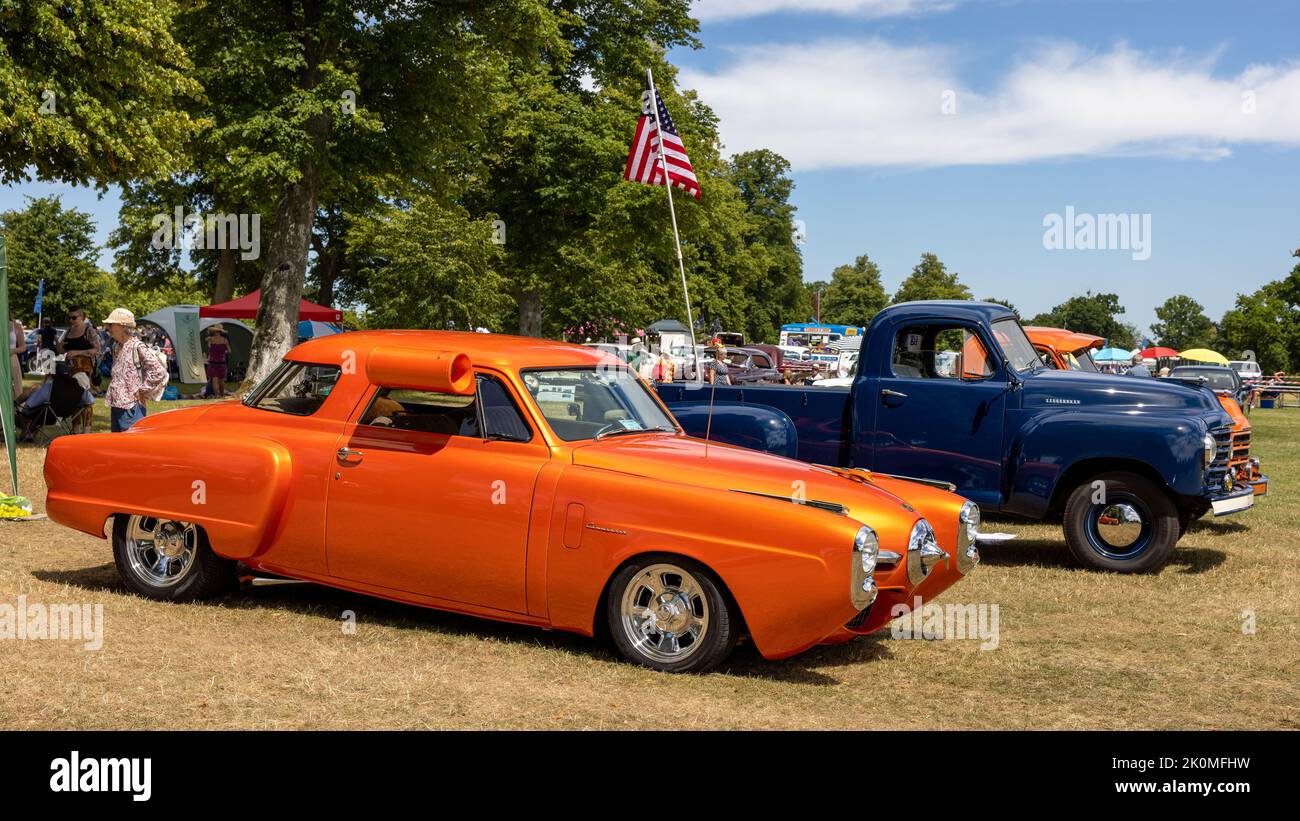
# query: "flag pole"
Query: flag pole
{"points": [[7, 421], [672, 212]]}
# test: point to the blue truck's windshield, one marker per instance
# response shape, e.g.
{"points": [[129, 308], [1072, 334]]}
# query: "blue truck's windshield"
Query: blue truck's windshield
{"points": [[1016, 345]]}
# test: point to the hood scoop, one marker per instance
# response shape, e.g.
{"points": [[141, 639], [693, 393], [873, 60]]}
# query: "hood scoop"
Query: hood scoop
{"points": [[833, 507]]}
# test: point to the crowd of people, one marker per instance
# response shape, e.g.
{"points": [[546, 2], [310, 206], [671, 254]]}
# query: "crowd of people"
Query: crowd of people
{"points": [[74, 365]]}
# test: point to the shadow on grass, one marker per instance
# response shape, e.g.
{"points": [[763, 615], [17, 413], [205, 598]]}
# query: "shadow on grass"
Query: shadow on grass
{"points": [[1218, 526], [330, 603], [1055, 555]]}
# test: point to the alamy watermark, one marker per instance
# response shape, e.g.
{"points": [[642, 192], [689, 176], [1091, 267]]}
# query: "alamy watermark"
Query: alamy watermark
{"points": [[1098, 232], [34, 621], [962, 622], [241, 232]]}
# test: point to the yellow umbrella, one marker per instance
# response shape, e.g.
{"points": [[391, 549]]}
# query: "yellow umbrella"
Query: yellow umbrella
{"points": [[1204, 355]]}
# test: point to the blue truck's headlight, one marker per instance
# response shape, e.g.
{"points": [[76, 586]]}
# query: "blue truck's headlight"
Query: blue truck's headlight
{"points": [[1211, 448]]}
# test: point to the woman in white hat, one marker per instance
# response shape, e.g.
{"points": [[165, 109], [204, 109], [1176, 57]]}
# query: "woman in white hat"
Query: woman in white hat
{"points": [[137, 373]]}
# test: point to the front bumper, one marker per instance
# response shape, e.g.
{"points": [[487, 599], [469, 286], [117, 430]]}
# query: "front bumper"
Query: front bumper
{"points": [[1242, 497]]}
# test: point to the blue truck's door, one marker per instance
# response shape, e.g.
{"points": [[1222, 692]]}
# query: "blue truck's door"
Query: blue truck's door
{"points": [[935, 408]]}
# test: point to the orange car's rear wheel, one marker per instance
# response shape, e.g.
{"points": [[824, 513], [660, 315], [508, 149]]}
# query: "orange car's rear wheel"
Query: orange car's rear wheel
{"points": [[168, 560], [671, 614]]}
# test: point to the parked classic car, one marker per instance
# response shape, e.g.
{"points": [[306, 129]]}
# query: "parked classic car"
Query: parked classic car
{"points": [[954, 391], [516, 479]]}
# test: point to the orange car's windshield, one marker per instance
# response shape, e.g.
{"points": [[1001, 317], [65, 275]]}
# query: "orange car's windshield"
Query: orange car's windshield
{"points": [[591, 403]]}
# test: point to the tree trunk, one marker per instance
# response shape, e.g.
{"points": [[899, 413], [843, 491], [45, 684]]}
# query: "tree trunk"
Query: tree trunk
{"points": [[530, 312], [286, 270], [225, 287], [329, 271]]}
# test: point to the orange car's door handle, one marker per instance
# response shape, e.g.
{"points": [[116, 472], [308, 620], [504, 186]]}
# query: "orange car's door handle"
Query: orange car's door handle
{"points": [[345, 454]]}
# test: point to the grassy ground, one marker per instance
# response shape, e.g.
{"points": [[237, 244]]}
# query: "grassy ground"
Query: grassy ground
{"points": [[1078, 649]]}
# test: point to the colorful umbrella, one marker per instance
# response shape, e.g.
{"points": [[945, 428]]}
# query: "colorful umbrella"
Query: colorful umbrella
{"points": [[1159, 353], [1112, 355], [1204, 355]]}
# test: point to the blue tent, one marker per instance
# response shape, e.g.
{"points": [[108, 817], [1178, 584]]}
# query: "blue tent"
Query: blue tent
{"points": [[1112, 355], [310, 329]]}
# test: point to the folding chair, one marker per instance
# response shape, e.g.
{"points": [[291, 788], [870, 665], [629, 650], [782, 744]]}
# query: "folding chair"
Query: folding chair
{"points": [[63, 406]]}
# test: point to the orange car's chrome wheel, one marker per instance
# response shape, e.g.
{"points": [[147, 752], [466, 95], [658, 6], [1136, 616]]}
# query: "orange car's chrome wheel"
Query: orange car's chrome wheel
{"points": [[160, 552], [664, 613]]}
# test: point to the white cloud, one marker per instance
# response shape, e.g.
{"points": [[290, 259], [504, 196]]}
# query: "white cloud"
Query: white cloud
{"points": [[707, 10], [840, 103]]}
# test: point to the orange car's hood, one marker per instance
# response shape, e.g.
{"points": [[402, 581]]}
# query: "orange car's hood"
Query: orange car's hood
{"points": [[690, 461]]}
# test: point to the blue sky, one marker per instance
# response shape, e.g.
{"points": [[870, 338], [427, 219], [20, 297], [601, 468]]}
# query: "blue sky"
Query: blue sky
{"points": [[1109, 106]]}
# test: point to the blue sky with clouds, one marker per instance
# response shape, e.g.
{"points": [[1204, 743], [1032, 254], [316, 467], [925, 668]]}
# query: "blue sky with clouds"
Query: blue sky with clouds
{"points": [[1109, 106], [1188, 112]]}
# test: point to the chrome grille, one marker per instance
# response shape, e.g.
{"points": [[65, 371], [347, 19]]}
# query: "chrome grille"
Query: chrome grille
{"points": [[1223, 451]]}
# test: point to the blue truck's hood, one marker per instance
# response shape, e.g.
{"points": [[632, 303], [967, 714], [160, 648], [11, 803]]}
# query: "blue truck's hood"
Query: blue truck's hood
{"points": [[1061, 389]]}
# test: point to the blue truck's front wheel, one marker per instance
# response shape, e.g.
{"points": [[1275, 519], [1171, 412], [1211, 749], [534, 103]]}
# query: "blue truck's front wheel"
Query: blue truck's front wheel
{"points": [[1121, 522]]}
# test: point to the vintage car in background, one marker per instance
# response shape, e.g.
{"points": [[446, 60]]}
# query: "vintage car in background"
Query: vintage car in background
{"points": [[510, 478], [747, 366], [953, 391]]}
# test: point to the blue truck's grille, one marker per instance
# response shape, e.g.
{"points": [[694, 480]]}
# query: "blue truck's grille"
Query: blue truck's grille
{"points": [[1218, 469]]}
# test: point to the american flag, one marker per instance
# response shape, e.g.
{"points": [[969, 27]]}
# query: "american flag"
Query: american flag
{"points": [[643, 160]]}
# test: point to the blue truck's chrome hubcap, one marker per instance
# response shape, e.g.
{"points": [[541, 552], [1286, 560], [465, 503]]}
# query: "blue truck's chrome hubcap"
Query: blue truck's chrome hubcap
{"points": [[1119, 529]]}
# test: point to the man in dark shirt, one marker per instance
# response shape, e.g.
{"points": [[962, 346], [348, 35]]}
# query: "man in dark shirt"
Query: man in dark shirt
{"points": [[47, 336]]}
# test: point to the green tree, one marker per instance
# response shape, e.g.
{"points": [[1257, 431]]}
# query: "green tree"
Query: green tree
{"points": [[93, 90], [430, 266], [307, 97], [1094, 314], [57, 244], [855, 294], [1268, 323], [1183, 324], [930, 280], [777, 296]]}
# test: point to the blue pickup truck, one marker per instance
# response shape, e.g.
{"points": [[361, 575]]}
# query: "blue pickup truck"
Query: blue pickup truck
{"points": [[954, 393]]}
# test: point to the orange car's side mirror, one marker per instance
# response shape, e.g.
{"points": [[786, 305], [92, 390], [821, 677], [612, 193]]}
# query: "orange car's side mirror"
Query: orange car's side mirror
{"points": [[421, 370]]}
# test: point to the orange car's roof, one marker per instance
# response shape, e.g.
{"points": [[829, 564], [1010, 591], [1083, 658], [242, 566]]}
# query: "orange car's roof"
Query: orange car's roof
{"points": [[1060, 339], [495, 350]]}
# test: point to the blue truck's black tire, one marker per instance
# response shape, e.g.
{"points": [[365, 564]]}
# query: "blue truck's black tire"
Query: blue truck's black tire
{"points": [[1154, 532]]}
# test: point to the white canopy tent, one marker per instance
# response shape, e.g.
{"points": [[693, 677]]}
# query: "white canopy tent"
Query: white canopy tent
{"points": [[239, 334]]}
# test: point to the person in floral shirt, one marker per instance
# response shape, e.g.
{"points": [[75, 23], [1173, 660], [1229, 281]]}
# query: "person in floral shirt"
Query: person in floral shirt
{"points": [[136, 373]]}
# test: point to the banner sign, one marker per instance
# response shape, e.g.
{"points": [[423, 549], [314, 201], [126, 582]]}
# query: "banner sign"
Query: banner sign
{"points": [[6, 375], [40, 297], [189, 350]]}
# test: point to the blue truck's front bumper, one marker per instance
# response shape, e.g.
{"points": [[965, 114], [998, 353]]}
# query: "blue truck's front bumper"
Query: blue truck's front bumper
{"points": [[1241, 497]]}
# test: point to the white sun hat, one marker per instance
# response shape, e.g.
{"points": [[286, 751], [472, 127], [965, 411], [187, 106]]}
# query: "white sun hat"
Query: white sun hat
{"points": [[121, 316]]}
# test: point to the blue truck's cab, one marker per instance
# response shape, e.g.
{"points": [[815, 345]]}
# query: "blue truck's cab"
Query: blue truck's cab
{"points": [[954, 391]]}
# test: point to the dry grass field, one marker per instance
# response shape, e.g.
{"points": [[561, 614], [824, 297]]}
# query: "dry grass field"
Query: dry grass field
{"points": [[1077, 649]]}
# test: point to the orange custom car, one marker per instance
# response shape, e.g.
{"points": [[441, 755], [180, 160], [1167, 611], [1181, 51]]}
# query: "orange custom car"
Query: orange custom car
{"points": [[1071, 351], [514, 479]]}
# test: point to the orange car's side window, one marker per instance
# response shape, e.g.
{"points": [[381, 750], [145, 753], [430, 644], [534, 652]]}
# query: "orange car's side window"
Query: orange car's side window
{"points": [[447, 414]]}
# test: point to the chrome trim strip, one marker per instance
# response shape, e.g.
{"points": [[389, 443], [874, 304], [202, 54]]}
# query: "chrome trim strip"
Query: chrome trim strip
{"points": [[833, 507], [888, 557], [948, 486]]}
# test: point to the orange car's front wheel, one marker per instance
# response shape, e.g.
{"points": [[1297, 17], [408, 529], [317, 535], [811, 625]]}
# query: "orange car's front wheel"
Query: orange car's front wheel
{"points": [[168, 560], [671, 614]]}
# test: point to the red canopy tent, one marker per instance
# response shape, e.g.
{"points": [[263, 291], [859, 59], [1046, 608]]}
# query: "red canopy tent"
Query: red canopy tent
{"points": [[246, 308]]}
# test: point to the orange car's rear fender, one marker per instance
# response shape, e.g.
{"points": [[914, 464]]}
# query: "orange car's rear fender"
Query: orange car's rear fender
{"points": [[790, 594], [234, 488]]}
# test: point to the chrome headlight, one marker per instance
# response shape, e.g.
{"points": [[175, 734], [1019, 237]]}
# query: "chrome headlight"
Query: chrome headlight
{"points": [[968, 530], [866, 550], [1211, 448], [923, 551]]}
